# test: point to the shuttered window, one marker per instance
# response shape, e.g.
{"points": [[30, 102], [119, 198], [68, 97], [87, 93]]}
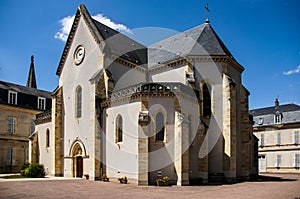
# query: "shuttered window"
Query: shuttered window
{"points": [[12, 125]]}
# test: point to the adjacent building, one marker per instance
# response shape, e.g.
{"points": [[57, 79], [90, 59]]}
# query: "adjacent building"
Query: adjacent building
{"points": [[176, 108], [277, 128], [18, 108]]}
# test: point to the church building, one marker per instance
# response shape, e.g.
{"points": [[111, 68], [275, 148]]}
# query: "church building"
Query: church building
{"points": [[176, 108]]}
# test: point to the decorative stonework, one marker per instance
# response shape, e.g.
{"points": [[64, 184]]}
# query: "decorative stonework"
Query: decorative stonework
{"points": [[44, 117]]}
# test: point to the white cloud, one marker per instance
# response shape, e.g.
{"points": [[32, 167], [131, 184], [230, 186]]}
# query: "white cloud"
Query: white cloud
{"points": [[66, 25], [296, 70], [106, 21]]}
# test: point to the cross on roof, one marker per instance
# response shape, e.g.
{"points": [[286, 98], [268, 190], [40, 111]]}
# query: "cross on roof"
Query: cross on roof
{"points": [[207, 10]]}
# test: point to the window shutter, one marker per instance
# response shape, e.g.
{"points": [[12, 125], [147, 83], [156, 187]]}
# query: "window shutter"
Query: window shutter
{"points": [[262, 139], [8, 156], [296, 137], [278, 160], [14, 155], [278, 139], [296, 160]]}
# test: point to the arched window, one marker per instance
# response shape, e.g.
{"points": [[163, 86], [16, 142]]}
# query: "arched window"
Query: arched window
{"points": [[119, 129], [206, 104], [47, 138], [78, 102], [160, 127]]}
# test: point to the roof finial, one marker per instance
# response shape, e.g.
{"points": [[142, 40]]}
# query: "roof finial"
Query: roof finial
{"points": [[207, 10]]}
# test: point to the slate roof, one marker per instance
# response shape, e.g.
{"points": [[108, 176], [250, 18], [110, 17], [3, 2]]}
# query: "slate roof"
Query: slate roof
{"points": [[273, 109], [24, 89], [121, 45], [289, 113], [198, 41]]}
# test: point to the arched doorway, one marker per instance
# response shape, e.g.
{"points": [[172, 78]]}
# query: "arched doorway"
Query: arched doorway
{"points": [[77, 157]]}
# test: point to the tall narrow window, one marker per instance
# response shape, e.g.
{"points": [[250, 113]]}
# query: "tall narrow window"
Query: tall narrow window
{"points": [[278, 139], [12, 97], [262, 140], [78, 101], [41, 103], [278, 160], [206, 100], [47, 138], [296, 137], [119, 129], [160, 127], [12, 125], [11, 157]]}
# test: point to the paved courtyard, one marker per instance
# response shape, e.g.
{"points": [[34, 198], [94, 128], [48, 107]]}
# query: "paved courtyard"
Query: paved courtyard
{"points": [[276, 186]]}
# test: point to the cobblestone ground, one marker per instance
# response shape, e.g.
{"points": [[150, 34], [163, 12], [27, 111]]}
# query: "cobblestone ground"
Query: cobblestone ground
{"points": [[271, 186]]}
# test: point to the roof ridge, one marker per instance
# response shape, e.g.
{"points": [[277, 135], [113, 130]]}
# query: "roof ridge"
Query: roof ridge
{"points": [[81, 12], [274, 106], [15, 84]]}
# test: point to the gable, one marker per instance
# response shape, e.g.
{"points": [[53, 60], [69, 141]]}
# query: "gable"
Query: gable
{"points": [[107, 39], [81, 14]]}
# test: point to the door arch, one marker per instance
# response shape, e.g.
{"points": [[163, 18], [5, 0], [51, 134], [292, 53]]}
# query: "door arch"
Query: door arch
{"points": [[77, 153]]}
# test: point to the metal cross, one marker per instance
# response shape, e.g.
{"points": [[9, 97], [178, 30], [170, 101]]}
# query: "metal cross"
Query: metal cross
{"points": [[207, 10]]}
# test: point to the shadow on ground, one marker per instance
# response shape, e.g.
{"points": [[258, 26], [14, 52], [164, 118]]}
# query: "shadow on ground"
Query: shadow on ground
{"points": [[260, 178], [264, 178]]}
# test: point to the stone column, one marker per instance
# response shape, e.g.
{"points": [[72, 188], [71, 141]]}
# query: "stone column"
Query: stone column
{"points": [[94, 139], [181, 156], [143, 144], [229, 127], [203, 154]]}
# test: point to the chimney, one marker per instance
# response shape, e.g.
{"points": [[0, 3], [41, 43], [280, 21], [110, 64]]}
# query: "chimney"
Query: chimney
{"points": [[276, 102]]}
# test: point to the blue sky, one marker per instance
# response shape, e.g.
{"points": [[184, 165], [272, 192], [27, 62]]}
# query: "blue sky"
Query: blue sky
{"points": [[262, 35]]}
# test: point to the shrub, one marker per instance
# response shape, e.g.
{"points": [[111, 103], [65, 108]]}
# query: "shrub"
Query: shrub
{"points": [[165, 179], [24, 165], [34, 171]]}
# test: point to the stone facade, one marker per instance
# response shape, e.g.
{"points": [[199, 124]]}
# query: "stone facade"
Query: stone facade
{"points": [[124, 109], [277, 129], [18, 107]]}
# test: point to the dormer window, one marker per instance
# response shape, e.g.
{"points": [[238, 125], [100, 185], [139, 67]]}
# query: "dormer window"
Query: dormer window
{"points": [[277, 118], [12, 97], [41, 103], [260, 121]]}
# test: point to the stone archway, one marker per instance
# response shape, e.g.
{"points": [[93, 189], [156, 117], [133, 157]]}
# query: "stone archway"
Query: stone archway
{"points": [[77, 154], [77, 161]]}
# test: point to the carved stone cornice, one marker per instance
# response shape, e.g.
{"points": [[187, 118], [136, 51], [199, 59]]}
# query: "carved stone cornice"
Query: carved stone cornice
{"points": [[44, 117], [177, 63], [217, 59], [151, 90]]}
